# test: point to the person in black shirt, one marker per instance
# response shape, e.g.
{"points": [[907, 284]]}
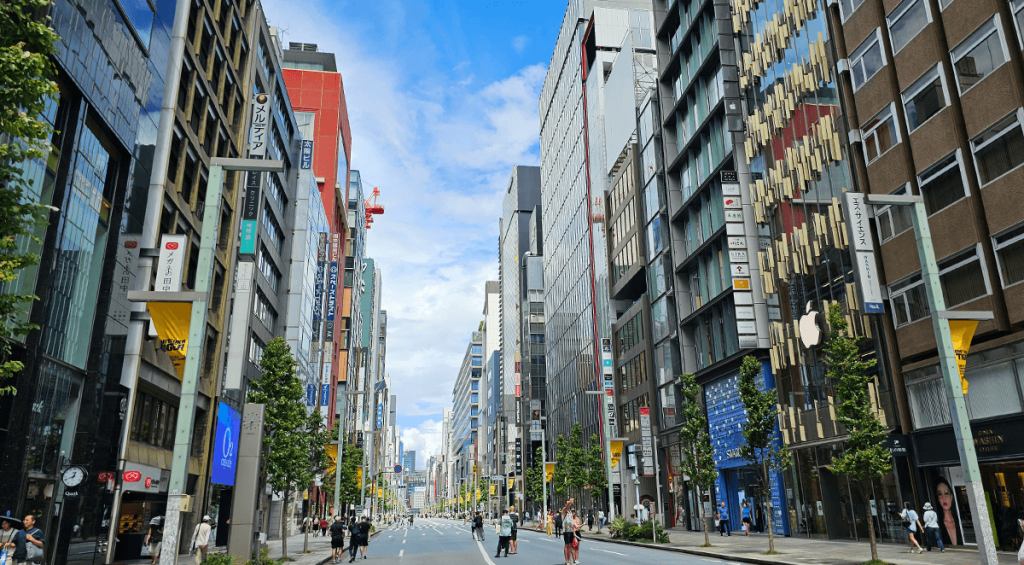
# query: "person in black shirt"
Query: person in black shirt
{"points": [[337, 530], [364, 535], [558, 523], [478, 527], [514, 544]]}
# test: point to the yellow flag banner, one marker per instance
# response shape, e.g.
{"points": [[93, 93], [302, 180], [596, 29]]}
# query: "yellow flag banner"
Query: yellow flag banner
{"points": [[549, 472], [963, 333], [616, 448], [171, 320], [492, 490], [511, 484], [332, 452], [478, 493]]}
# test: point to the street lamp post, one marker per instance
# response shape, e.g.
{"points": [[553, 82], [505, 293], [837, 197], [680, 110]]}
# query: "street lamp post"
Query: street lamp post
{"points": [[194, 355]]}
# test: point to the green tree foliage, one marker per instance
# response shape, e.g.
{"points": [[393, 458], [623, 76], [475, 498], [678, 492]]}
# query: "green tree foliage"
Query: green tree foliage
{"points": [[26, 44], [289, 432], [534, 478], [577, 474], [760, 436], [560, 478], [695, 444], [351, 467], [597, 473], [865, 458]]}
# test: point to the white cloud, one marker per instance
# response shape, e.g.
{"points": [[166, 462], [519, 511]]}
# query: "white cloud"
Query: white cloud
{"points": [[519, 43], [441, 153], [424, 439]]}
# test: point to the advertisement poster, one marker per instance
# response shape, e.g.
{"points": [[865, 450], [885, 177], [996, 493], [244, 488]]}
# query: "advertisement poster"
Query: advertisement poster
{"points": [[225, 445]]}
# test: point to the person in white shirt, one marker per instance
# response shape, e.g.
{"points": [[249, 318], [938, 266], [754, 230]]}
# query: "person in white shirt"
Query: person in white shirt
{"points": [[913, 525], [201, 540], [931, 528]]}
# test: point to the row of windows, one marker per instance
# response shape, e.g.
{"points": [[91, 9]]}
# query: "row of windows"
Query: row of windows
{"points": [[630, 413], [633, 373], [688, 11], [623, 223], [255, 350], [154, 421], [703, 218], [691, 116], [268, 269], [702, 41], [630, 334], [273, 229], [625, 258], [962, 276], [264, 311], [714, 334]]}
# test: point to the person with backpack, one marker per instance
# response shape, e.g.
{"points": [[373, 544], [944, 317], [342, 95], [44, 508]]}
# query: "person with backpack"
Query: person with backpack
{"points": [[478, 527], [515, 529], [154, 539], [558, 523], [912, 523], [201, 540]]}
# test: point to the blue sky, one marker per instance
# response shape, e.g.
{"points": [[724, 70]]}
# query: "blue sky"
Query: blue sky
{"points": [[442, 96]]}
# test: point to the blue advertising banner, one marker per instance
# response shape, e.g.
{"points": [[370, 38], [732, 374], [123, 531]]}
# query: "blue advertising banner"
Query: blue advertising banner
{"points": [[225, 445], [325, 394], [310, 395], [306, 159], [332, 292]]}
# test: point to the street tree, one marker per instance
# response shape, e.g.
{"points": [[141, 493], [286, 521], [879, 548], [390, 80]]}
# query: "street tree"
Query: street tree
{"points": [[761, 440], [577, 474], [597, 474], [560, 477], [317, 435], [351, 481], [865, 458], [695, 444], [286, 443], [26, 44]]}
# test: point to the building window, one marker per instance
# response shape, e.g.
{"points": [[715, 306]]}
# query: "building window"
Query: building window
{"points": [[264, 311], [962, 278], [154, 421], [848, 7], [999, 149], [906, 21], [255, 350], [1010, 255], [893, 220], [944, 3], [1017, 6], [942, 184], [867, 60], [978, 55], [268, 269], [880, 134], [925, 98]]}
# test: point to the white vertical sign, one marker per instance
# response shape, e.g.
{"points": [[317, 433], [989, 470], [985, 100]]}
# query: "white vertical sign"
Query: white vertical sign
{"points": [[862, 248], [170, 263], [646, 441], [237, 337], [259, 127]]}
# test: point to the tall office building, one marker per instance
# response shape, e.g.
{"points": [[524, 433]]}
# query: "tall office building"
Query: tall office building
{"points": [[573, 181], [491, 376], [521, 196], [409, 462], [466, 403]]}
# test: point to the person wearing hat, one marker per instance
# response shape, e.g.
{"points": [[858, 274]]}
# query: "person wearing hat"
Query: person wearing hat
{"points": [[931, 528], [154, 539], [201, 540]]}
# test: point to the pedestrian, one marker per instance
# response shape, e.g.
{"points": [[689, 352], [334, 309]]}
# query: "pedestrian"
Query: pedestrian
{"points": [[305, 524], [569, 535], [154, 539], [11, 541], [353, 539], [201, 540], [548, 523], [577, 528], [558, 523], [600, 520], [912, 523], [337, 530], [515, 529], [746, 518], [590, 520], [504, 533], [33, 537], [364, 536], [478, 527], [323, 526], [931, 528], [723, 520]]}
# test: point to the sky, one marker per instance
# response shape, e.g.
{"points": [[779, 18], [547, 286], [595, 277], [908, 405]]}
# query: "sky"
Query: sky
{"points": [[442, 97]]}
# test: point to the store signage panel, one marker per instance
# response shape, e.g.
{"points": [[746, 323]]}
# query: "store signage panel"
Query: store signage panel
{"points": [[306, 158], [737, 255], [736, 242], [259, 126], [858, 225], [745, 312], [225, 445], [734, 216], [731, 202]]}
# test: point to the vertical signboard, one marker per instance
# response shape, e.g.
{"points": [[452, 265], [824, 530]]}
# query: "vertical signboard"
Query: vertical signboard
{"points": [[238, 341], [119, 312], [646, 441], [250, 209], [608, 376], [333, 274], [310, 395], [318, 287], [862, 248], [225, 445], [170, 263], [306, 157], [519, 456], [325, 394], [738, 260], [259, 128]]}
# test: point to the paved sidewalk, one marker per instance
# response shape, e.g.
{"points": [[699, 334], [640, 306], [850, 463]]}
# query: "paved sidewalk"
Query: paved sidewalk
{"points": [[802, 551]]}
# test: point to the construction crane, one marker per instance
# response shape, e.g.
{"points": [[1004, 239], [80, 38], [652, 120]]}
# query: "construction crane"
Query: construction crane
{"points": [[372, 208]]}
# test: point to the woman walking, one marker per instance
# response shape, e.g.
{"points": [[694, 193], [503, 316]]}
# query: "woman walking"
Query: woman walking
{"points": [[931, 528], [154, 539], [548, 523], [746, 518], [913, 524]]}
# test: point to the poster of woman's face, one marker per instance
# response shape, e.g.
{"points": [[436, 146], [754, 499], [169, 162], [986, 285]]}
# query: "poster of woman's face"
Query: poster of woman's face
{"points": [[949, 523]]}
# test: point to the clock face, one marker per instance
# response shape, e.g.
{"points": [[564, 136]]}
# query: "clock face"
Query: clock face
{"points": [[74, 476]]}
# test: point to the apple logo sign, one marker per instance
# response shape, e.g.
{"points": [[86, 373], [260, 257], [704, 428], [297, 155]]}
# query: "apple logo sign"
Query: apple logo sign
{"points": [[812, 327]]}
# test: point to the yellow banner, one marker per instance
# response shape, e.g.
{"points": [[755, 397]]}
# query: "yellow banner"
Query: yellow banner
{"points": [[511, 484], [359, 480], [332, 453], [171, 320], [616, 448], [963, 333], [549, 472], [478, 493], [492, 490]]}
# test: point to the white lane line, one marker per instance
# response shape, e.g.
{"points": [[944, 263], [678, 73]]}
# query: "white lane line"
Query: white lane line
{"points": [[487, 558], [615, 552], [403, 542], [401, 553], [406, 534]]}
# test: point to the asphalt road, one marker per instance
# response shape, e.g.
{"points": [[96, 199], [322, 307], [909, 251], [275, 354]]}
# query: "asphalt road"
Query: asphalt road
{"points": [[446, 542]]}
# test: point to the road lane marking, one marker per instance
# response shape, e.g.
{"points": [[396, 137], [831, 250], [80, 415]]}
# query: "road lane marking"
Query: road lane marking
{"points": [[487, 558], [401, 553], [406, 534], [403, 542], [615, 552]]}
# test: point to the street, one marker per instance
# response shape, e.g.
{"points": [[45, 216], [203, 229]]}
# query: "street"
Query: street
{"points": [[443, 542]]}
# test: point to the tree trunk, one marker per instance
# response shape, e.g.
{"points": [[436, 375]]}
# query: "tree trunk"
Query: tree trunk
{"points": [[766, 492], [284, 521], [703, 518], [305, 535], [866, 490]]}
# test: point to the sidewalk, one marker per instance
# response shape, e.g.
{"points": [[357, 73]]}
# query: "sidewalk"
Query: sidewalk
{"points": [[802, 551]]}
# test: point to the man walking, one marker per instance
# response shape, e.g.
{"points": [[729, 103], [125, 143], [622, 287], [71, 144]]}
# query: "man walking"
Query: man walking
{"points": [[337, 530], [558, 523], [201, 540], [364, 536], [31, 551], [478, 527], [504, 533], [723, 520], [515, 529]]}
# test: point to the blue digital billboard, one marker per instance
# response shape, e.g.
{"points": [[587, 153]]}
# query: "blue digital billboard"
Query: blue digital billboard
{"points": [[225, 445]]}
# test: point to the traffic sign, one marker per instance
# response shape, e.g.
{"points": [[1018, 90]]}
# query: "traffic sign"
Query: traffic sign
{"points": [[398, 468]]}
